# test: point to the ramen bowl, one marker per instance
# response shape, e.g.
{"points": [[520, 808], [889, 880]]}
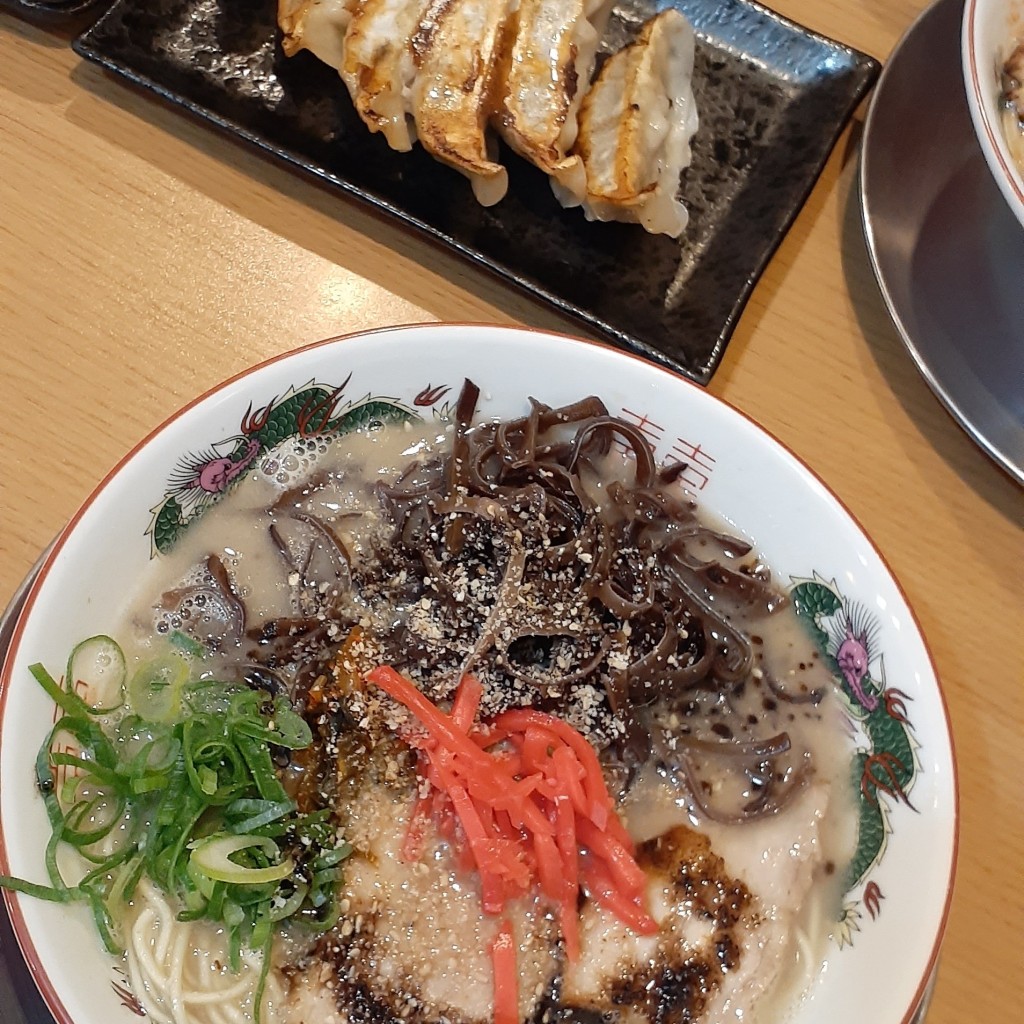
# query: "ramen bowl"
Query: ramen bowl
{"points": [[895, 901], [990, 31]]}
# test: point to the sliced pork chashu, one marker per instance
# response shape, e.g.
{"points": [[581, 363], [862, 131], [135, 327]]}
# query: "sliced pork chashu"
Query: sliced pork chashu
{"points": [[546, 69], [635, 127], [457, 50], [413, 945], [675, 974], [787, 860], [739, 909], [315, 25]]}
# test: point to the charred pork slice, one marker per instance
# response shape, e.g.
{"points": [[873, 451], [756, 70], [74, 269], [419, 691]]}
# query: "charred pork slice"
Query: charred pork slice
{"points": [[732, 910], [413, 944], [673, 975]]}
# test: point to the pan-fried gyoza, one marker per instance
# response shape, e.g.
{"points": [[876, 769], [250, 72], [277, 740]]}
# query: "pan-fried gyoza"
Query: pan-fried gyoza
{"points": [[635, 129], [451, 72]]}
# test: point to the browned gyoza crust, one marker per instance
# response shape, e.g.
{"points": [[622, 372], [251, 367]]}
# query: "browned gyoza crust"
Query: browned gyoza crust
{"points": [[457, 47]]}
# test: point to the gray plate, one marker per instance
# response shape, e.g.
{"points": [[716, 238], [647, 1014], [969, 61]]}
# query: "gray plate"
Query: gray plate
{"points": [[947, 251]]}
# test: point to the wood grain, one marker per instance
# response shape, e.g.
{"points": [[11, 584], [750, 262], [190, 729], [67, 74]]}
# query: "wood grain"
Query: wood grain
{"points": [[143, 259]]}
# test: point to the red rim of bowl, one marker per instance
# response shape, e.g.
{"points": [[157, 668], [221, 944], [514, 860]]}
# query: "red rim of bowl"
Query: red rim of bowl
{"points": [[1011, 177], [12, 900]]}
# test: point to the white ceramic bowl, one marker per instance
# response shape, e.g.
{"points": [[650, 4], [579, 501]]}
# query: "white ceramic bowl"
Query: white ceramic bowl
{"points": [[894, 914], [990, 30]]}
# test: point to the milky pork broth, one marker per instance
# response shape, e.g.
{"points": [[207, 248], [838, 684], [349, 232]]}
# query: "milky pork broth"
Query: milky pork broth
{"points": [[552, 561]]}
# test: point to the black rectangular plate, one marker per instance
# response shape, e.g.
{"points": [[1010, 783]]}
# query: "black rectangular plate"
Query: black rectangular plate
{"points": [[772, 99]]}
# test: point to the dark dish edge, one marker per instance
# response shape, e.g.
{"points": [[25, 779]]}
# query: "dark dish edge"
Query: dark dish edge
{"points": [[67, 19]]}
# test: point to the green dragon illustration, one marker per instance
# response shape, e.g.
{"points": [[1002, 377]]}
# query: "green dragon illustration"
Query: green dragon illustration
{"points": [[884, 764], [311, 411]]}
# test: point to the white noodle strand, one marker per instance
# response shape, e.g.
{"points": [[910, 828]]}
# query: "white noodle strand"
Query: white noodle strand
{"points": [[177, 971]]}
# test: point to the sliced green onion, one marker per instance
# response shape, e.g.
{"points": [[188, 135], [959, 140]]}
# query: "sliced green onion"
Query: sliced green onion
{"points": [[257, 758], [332, 857], [50, 858], [54, 894], [326, 922], [261, 984], [103, 921], [264, 926], [187, 645], [107, 808], [69, 703], [107, 865], [234, 950], [124, 885], [213, 858], [88, 765], [98, 665], [259, 813], [155, 689], [289, 729], [232, 914], [148, 783], [291, 904], [183, 772]]}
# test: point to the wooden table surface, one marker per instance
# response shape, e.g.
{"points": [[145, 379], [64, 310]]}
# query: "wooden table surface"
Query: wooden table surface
{"points": [[143, 259]]}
